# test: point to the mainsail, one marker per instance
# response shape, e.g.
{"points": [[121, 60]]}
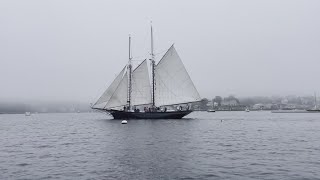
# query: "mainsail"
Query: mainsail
{"points": [[105, 97], [173, 83], [141, 90]]}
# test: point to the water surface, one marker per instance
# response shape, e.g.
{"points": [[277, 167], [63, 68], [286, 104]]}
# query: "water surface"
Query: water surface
{"points": [[221, 145]]}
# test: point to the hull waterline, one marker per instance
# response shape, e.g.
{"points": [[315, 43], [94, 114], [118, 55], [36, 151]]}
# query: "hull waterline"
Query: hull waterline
{"points": [[148, 115]]}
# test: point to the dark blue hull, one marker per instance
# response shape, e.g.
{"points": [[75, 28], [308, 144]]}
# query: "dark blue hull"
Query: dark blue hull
{"points": [[148, 115]]}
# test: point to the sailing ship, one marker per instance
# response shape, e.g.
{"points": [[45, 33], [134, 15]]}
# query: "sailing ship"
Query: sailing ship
{"points": [[166, 91]]}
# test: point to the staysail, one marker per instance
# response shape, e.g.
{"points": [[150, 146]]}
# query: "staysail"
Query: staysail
{"points": [[141, 90], [119, 97], [173, 83], [105, 97]]}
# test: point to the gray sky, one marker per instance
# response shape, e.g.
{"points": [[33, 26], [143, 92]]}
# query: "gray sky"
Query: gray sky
{"points": [[71, 50]]}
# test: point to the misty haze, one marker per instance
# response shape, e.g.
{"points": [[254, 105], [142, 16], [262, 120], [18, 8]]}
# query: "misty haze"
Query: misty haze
{"points": [[209, 89], [72, 50]]}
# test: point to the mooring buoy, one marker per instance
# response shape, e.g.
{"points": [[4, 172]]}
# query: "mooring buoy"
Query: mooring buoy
{"points": [[124, 122]]}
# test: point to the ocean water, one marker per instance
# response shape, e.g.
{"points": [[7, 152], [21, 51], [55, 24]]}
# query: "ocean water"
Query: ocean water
{"points": [[221, 145]]}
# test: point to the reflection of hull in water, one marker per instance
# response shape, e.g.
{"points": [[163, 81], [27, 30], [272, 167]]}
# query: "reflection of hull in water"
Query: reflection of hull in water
{"points": [[148, 115]]}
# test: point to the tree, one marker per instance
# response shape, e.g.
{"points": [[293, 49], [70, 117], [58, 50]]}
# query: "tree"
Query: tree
{"points": [[204, 103], [218, 99]]}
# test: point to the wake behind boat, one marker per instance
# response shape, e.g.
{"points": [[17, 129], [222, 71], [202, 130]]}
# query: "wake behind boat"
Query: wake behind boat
{"points": [[168, 95]]}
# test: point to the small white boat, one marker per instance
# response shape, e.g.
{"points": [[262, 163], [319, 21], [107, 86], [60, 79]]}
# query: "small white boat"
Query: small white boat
{"points": [[28, 114], [247, 110], [124, 122], [212, 110], [315, 109]]}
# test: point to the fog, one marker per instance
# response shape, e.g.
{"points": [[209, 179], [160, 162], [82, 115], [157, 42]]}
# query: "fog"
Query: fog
{"points": [[71, 50]]}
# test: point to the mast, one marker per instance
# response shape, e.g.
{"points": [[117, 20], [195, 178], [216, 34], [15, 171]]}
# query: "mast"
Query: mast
{"points": [[212, 104], [152, 67], [129, 76], [315, 101]]}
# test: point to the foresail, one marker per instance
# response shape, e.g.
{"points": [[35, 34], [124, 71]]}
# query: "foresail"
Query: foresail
{"points": [[173, 83], [119, 97], [141, 90], [103, 100]]}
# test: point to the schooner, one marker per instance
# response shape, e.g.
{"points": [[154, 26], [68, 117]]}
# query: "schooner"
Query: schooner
{"points": [[135, 95]]}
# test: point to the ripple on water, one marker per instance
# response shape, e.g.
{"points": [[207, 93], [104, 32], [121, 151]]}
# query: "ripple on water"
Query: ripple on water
{"points": [[89, 146], [23, 164]]}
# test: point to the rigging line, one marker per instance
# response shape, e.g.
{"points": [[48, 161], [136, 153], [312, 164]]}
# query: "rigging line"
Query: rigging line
{"points": [[181, 69], [139, 57], [139, 65], [173, 78], [155, 54], [181, 103], [168, 88], [138, 90], [138, 60], [172, 46], [160, 52], [120, 106]]}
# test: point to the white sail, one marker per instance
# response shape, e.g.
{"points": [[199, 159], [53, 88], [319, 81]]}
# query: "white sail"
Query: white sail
{"points": [[103, 100], [141, 89], [173, 83], [119, 97]]}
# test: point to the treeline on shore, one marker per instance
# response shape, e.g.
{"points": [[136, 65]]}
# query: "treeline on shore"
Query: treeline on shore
{"points": [[256, 102], [43, 107], [217, 103]]}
